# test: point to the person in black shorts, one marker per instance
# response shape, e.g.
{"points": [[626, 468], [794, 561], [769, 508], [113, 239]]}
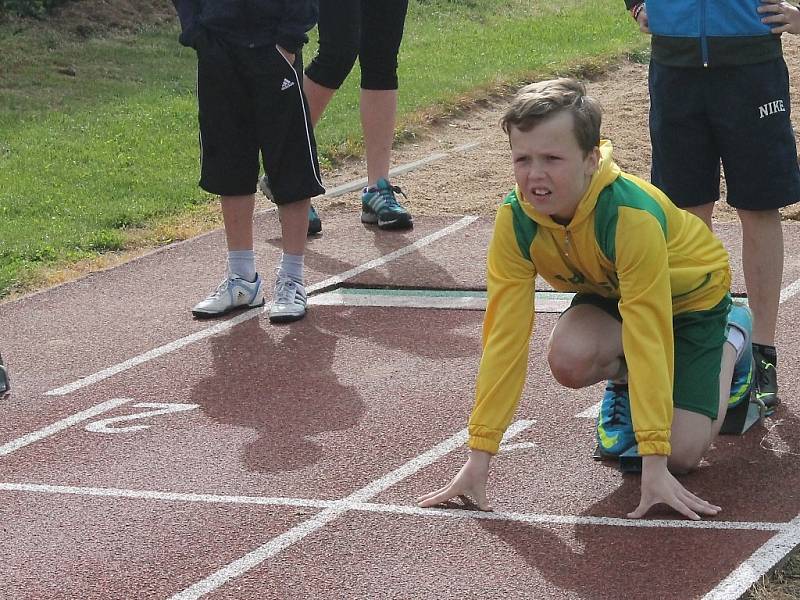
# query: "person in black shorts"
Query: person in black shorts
{"points": [[719, 92], [372, 32], [251, 102]]}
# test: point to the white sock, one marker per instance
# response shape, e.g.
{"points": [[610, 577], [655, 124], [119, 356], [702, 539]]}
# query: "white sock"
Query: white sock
{"points": [[291, 265], [736, 339], [243, 264]]}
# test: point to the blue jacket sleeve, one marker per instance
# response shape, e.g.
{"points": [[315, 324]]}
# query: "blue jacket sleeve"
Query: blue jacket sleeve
{"points": [[298, 18], [187, 14]]}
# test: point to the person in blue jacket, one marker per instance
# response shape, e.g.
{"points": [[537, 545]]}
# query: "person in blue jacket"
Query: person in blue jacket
{"points": [[719, 92], [251, 103]]}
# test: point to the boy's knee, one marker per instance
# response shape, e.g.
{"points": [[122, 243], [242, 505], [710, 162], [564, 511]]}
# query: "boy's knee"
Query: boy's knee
{"points": [[569, 366], [680, 463]]}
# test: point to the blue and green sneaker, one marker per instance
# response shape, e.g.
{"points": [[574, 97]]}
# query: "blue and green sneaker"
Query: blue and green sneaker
{"points": [[739, 316], [380, 206], [614, 425], [766, 386]]}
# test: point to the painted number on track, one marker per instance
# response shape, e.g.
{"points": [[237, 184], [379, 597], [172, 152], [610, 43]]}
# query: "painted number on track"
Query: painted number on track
{"points": [[157, 408]]}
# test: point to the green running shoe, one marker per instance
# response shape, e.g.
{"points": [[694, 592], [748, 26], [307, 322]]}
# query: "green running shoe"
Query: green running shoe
{"points": [[739, 316], [380, 206], [614, 424], [766, 379]]}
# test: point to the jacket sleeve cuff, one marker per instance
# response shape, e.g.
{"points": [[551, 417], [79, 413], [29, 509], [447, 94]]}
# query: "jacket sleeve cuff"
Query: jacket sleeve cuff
{"points": [[291, 44], [189, 35], [481, 442], [654, 448]]}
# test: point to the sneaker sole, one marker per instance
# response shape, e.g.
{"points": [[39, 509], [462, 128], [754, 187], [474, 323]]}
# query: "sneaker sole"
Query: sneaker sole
{"points": [[286, 318], [399, 223], [210, 315], [314, 227]]}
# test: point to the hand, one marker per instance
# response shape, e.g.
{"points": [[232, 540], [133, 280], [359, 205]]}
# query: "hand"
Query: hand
{"points": [[470, 481], [286, 54], [659, 486], [785, 16], [643, 21]]}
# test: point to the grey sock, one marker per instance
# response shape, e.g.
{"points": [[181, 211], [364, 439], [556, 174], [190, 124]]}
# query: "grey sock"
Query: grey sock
{"points": [[291, 265], [243, 264]]}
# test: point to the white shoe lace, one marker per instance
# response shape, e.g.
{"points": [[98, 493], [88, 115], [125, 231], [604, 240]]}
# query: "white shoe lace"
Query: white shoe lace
{"points": [[221, 289]]}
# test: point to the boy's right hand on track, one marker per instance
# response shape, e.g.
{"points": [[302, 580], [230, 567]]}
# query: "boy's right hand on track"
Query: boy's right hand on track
{"points": [[470, 482]]}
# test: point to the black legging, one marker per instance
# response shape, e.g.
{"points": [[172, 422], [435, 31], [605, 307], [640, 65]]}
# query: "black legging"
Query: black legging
{"points": [[370, 30]]}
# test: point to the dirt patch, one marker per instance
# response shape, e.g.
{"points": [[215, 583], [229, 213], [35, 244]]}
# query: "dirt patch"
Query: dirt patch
{"points": [[87, 18]]}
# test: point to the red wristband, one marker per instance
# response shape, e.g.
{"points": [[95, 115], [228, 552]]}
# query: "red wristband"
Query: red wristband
{"points": [[636, 10]]}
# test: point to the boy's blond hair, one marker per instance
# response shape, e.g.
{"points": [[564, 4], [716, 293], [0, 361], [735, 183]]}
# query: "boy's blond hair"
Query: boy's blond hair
{"points": [[539, 101]]}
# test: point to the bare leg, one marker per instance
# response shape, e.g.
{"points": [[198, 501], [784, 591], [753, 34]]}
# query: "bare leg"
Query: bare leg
{"points": [[318, 97], [294, 226], [693, 433], [237, 213], [762, 262], [704, 211], [378, 114], [586, 347]]}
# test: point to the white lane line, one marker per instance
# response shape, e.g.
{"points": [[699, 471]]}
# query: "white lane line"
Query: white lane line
{"points": [[549, 519], [245, 316], [590, 413], [163, 496], [297, 533], [360, 183], [758, 565], [61, 425], [790, 290], [410, 510], [382, 260]]}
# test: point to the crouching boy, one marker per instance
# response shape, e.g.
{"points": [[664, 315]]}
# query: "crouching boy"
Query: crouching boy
{"points": [[652, 313]]}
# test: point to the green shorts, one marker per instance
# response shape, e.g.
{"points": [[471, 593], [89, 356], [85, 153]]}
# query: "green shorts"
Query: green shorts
{"points": [[699, 339]]}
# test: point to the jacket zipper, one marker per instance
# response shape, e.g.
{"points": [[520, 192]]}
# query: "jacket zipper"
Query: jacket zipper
{"points": [[703, 37]]}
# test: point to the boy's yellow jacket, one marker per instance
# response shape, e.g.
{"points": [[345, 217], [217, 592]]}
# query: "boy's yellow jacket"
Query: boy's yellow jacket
{"points": [[628, 241]]}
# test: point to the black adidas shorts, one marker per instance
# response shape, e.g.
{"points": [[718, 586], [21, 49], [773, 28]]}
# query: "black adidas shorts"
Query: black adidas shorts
{"points": [[251, 100], [740, 115]]}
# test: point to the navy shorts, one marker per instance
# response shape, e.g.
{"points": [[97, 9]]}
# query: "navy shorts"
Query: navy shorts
{"points": [[738, 115], [251, 101]]}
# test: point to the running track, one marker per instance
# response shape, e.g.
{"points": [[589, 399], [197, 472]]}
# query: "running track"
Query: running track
{"points": [[144, 454]]}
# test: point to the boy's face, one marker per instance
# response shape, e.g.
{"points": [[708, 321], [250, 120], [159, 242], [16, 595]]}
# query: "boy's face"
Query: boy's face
{"points": [[550, 168]]}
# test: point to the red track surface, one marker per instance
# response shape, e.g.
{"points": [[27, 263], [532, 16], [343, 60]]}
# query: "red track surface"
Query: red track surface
{"points": [[301, 448]]}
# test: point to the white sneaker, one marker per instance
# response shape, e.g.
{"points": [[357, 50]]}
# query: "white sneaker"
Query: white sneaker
{"points": [[289, 301], [231, 294]]}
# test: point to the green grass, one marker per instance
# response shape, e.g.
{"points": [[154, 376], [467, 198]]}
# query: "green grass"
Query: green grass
{"points": [[87, 158]]}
